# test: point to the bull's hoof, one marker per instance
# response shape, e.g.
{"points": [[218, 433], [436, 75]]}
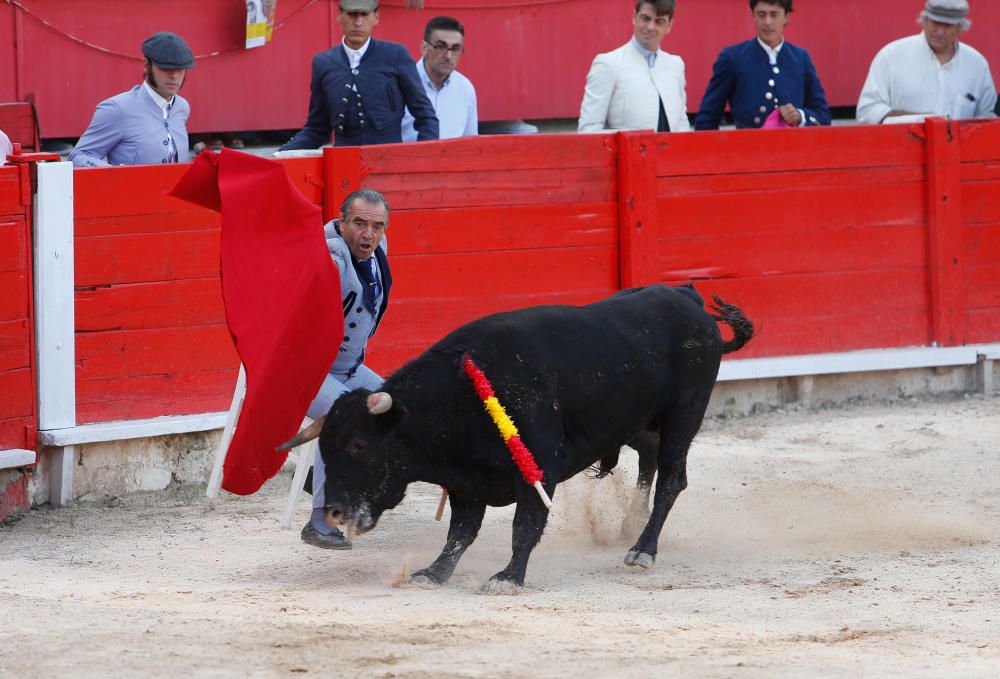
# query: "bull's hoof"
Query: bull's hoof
{"points": [[422, 582], [501, 587], [640, 559]]}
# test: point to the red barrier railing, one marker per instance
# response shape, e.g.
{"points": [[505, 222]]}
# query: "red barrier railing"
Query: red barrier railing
{"points": [[18, 408], [831, 239]]}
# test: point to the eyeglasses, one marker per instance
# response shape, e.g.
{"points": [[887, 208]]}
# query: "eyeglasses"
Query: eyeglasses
{"points": [[441, 48]]}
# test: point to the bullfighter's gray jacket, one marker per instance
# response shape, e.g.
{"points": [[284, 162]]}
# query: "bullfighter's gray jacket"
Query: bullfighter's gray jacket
{"points": [[129, 129], [359, 322]]}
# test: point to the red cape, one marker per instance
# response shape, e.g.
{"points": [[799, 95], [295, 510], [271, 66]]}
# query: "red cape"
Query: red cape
{"points": [[282, 297]]}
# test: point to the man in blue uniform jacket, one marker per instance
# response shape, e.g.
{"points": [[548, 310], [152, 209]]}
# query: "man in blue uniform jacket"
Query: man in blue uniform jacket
{"points": [[765, 74], [147, 124], [361, 87]]}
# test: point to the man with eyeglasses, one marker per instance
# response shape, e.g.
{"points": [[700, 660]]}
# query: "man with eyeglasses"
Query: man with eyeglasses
{"points": [[360, 88], [638, 86], [452, 94]]}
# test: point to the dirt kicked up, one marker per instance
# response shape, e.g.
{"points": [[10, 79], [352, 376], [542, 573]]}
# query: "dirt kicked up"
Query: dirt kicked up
{"points": [[840, 543]]}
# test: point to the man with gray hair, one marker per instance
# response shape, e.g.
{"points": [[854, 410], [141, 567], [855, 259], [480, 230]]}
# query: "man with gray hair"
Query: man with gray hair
{"points": [[357, 245], [930, 73]]}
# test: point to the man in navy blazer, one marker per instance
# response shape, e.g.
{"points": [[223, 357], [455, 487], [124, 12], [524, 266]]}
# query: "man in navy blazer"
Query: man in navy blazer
{"points": [[361, 87], [765, 74]]}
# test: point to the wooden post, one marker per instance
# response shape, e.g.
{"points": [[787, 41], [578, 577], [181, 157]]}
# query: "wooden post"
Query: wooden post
{"points": [[946, 291], [341, 175], [638, 240]]}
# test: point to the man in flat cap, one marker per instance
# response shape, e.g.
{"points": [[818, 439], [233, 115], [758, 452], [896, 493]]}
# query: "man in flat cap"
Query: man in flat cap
{"points": [[147, 124], [360, 88], [930, 73]]}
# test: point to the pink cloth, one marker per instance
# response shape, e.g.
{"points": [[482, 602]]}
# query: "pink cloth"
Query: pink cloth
{"points": [[774, 121]]}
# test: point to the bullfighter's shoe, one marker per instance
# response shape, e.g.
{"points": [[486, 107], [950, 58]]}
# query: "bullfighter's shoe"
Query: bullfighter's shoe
{"points": [[334, 540]]}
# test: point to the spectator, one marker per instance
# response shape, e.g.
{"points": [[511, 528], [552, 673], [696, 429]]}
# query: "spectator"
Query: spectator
{"points": [[356, 243], [930, 73], [451, 93], [638, 85], [360, 88], [764, 75], [147, 124], [6, 148]]}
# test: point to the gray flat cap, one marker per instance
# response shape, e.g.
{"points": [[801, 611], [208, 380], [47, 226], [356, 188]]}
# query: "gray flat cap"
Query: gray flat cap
{"points": [[168, 50], [359, 5], [946, 11]]}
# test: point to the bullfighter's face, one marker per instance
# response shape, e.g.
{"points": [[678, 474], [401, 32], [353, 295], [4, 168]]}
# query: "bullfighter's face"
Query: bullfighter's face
{"points": [[363, 476], [771, 19], [364, 227]]}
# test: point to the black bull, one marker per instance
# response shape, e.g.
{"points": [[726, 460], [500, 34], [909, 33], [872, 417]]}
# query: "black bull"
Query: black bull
{"points": [[578, 382]]}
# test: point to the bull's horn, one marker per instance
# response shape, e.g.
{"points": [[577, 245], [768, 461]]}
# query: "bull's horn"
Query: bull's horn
{"points": [[379, 402], [307, 434]]}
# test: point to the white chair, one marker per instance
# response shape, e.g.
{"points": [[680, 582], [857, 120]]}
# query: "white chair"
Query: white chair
{"points": [[304, 454]]}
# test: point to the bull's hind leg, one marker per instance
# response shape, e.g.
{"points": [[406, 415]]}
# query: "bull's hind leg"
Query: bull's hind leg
{"points": [[680, 424], [647, 444], [466, 518]]}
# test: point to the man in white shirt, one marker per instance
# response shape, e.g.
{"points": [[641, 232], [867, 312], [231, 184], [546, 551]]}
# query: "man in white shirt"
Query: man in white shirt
{"points": [[930, 73], [638, 86], [452, 94]]}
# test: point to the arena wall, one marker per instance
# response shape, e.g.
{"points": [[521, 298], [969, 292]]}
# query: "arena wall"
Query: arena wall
{"points": [[867, 256]]}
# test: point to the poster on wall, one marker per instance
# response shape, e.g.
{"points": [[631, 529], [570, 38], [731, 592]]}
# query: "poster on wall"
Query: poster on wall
{"points": [[260, 22]]}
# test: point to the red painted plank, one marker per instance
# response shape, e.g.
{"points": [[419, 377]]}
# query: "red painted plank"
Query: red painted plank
{"points": [[815, 148], [141, 190], [982, 285], [154, 395], [783, 210], [983, 326], [18, 433], [479, 229], [13, 295], [165, 222], [13, 246], [160, 304], [16, 394], [15, 345], [10, 191], [523, 272], [158, 351], [809, 250], [523, 152], [753, 183], [146, 257], [980, 201], [638, 212], [496, 187], [980, 140]]}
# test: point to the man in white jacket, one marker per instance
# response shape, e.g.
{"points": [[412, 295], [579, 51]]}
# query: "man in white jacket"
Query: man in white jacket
{"points": [[638, 86]]}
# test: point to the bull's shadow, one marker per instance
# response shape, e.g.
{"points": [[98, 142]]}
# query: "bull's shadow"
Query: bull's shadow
{"points": [[579, 382]]}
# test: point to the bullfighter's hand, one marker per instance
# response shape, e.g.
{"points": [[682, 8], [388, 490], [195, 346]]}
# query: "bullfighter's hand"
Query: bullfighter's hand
{"points": [[791, 115]]}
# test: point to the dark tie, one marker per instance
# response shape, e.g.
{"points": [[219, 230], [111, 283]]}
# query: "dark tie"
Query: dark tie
{"points": [[663, 125], [372, 286]]}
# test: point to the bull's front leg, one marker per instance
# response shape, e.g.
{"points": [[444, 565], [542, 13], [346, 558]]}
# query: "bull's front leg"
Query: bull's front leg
{"points": [[529, 522], [466, 518]]}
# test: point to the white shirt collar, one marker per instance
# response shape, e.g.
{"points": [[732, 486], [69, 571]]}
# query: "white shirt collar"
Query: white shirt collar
{"points": [[164, 104], [772, 52], [648, 55], [354, 55]]}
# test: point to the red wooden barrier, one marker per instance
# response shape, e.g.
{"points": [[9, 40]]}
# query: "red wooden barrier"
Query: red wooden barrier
{"points": [[18, 410], [832, 240]]}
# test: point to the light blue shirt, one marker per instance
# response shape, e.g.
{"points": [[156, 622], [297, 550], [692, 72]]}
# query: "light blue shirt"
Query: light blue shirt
{"points": [[132, 129], [454, 104], [650, 57]]}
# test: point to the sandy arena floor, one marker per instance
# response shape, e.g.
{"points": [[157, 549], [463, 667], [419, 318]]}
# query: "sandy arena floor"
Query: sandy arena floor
{"points": [[851, 543]]}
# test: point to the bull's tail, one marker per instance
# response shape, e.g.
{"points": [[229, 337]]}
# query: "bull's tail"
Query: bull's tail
{"points": [[731, 315]]}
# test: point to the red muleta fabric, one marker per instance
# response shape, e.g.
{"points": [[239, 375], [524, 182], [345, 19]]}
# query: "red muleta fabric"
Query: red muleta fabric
{"points": [[282, 297]]}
